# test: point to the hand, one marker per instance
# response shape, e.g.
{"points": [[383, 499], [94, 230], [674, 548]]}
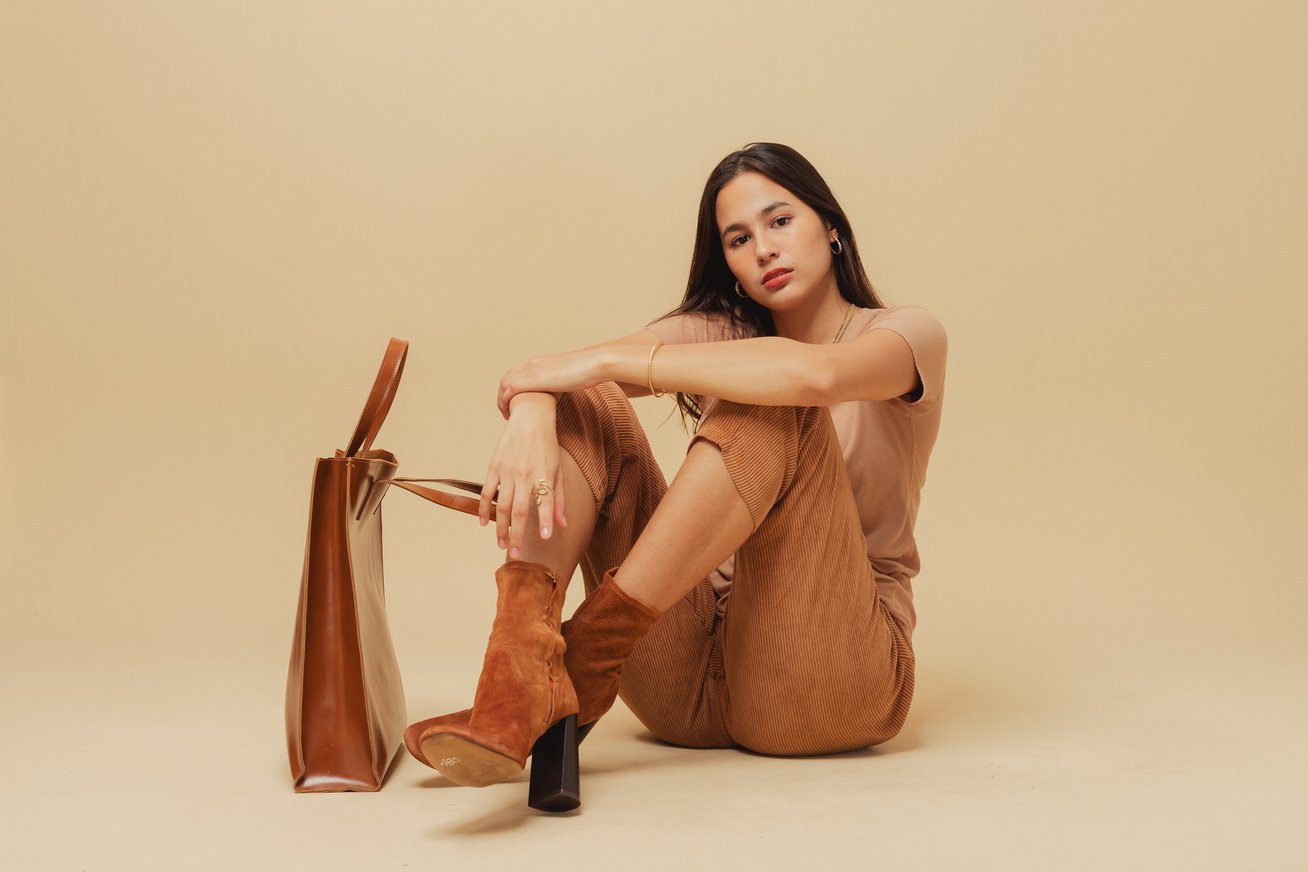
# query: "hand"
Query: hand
{"points": [[528, 451], [571, 370]]}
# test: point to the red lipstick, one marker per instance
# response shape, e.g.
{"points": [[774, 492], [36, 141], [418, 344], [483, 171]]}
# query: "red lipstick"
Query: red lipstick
{"points": [[776, 278]]}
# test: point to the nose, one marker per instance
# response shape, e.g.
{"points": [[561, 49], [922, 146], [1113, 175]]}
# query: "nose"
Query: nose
{"points": [[764, 248]]}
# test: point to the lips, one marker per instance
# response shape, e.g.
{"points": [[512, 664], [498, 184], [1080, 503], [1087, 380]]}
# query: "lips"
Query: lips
{"points": [[773, 274]]}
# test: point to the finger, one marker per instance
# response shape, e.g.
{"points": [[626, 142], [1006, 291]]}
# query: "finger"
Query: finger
{"points": [[518, 526], [504, 502], [558, 500], [544, 510], [502, 401], [487, 495]]}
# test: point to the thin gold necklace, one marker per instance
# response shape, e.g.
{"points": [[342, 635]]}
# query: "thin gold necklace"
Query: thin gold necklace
{"points": [[844, 324]]}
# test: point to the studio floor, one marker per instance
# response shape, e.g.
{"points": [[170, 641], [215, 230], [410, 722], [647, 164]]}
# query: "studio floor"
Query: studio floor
{"points": [[215, 215], [1191, 766]]}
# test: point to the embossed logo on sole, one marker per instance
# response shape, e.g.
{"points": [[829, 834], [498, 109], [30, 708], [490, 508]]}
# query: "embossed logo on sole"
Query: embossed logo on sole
{"points": [[450, 761]]}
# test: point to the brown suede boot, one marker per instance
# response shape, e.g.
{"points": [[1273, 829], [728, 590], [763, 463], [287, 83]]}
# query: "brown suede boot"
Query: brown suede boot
{"points": [[415, 733], [523, 690], [601, 634]]}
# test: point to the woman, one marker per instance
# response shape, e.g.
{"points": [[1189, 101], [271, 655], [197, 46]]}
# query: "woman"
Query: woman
{"points": [[764, 599]]}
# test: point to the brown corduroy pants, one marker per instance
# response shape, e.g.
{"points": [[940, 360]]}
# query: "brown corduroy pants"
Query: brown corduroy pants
{"points": [[805, 659]]}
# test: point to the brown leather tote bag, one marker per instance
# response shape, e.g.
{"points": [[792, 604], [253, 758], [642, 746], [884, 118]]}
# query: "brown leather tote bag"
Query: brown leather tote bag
{"points": [[345, 713]]}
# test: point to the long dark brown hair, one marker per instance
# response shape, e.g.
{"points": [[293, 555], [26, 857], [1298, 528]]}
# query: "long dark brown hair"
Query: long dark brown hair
{"points": [[711, 287]]}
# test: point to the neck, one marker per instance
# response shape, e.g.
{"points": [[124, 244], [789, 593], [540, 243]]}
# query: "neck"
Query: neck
{"points": [[815, 322]]}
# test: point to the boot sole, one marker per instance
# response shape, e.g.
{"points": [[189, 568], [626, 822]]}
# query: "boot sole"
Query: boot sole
{"points": [[468, 763]]}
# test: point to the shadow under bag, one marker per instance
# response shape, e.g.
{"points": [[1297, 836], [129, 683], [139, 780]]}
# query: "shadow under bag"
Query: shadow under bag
{"points": [[345, 712]]}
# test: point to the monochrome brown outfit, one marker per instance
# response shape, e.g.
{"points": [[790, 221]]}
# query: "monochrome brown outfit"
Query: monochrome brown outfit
{"points": [[800, 643]]}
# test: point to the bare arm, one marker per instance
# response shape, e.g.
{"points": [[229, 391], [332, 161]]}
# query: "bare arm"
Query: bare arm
{"points": [[644, 338], [764, 370], [772, 370]]}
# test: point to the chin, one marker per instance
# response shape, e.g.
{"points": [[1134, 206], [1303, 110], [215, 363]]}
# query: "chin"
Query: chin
{"points": [[789, 298]]}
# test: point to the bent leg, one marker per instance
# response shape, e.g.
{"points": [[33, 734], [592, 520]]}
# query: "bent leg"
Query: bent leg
{"points": [[813, 662], [807, 660], [673, 680], [684, 703]]}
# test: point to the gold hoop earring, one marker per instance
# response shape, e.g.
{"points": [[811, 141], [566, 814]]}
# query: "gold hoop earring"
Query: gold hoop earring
{"points": [[837, 247], [741, 294]]}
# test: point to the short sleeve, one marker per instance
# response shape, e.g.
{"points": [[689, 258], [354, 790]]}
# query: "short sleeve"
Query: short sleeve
{"points": [[926, 337], [691, 327]]}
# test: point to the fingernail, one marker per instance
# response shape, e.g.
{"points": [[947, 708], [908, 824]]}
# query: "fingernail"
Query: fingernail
{"points": [[514, 554], [503, 543], [544, 532]]}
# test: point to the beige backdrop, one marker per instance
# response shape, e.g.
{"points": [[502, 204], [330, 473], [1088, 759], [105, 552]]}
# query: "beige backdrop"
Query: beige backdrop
{"points": [[215, 214]]}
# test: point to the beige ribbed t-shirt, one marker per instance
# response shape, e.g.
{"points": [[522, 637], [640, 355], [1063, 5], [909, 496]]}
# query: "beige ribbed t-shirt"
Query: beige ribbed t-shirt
{"points": [[886, 445]]}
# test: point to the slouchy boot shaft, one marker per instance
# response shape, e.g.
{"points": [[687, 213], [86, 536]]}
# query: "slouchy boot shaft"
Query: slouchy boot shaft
{"points": [[523, 689]]}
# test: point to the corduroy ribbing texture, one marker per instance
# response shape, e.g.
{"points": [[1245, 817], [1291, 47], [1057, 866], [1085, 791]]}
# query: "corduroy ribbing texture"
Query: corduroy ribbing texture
{"points": [[805, 659]]}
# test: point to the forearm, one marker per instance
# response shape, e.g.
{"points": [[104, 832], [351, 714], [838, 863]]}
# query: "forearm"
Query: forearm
{"points": [[763, 371]]}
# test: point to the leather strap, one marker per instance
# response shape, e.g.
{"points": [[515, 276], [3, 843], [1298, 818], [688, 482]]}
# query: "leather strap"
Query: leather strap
{"points": [[470, 505], [379, 401]]}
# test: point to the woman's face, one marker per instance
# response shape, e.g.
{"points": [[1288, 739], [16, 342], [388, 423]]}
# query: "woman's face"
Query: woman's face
{"points": [[769, 233]]}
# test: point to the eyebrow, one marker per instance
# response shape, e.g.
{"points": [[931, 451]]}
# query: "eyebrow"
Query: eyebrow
{"points": [[734, 227]]}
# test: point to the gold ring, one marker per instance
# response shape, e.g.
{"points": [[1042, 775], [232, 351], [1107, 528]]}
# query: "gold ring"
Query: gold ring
{"points": [[543, 489]]}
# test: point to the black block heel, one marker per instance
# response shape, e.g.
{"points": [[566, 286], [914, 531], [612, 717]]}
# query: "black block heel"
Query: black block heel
{"points": [[555, 778]]}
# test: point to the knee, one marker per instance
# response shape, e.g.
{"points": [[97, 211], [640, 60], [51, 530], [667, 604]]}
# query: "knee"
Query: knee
{"points": [[598, 427], [759, 447], [728, 415], [601, 414], [605, 401]]}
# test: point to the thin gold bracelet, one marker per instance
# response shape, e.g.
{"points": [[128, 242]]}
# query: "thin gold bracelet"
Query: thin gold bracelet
{"points": [[649, 370]]}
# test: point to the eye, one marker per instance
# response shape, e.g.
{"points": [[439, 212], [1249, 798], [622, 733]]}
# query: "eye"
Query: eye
{"points": [[738, 240], [783, 220]]}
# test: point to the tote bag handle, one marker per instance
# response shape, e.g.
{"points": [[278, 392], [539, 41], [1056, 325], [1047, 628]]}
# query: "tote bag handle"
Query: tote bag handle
{"points": [[379, 401]]}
